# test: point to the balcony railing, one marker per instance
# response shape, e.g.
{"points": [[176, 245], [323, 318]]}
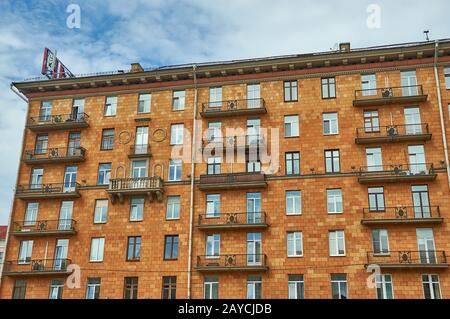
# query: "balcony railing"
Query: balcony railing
{"points": [[397, 173], [389, 95], [409, 259], [55, 155], [234, 108], [402, 215], [37, 267], [393, 133], [232, 262], [44, 227], [233, 220], [150, 186], [52, 190], [139, 150], [236, 142], [232, 181], [58, 122]]}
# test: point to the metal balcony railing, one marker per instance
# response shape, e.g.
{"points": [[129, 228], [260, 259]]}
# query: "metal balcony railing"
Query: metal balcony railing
{"points": [[389, 92], [397, 170], [232, 220], [36, 266], [60, 118], [232, 180], [44, 226], [50, 189], [132, 183], [244, 141], [393, 132], [408, 258], [232, 262], [234, 107], [139, 150], [55, 154], [402, 214]]}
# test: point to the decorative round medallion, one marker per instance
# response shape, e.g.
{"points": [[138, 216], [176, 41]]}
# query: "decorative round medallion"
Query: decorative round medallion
{"points": [[124, 137], [159, 135]]}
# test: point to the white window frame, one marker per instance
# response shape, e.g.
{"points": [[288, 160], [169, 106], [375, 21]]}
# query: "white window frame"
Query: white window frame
{"points": [[25, 252], [382, 233], [251, 288], [173, 211], [295, 284], [291, 196], [294, 126], [213, 241], [173, 164], [178, 100], [211, 203], [110, 106], [334, 236], [335, 201], [332, 118], [211, 284], [97, 249], [31, 214], [430, 283], [101, 209], [146, 100], [381, 281], [215, 96], [339, 282], [295, 239], [134, 208], [176, 134]]}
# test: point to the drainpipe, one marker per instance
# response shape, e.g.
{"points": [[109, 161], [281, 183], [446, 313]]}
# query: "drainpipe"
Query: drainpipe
{"points": [[191, 208], [441, 113]]}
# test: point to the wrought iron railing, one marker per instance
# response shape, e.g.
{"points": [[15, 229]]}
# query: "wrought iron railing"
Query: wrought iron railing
{"points": [[44, 225], [234, 105], [59, 119], [154, 182], [36, 265], [50, 188], [234, 141], [232, 178], [389, 92], [233, 219], [232, 261], [139, 149], [402, 212], [397, 169], [55, 153], [408, 257], [392, 131]]}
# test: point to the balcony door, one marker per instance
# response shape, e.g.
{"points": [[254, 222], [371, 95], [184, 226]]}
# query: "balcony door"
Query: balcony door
{"points": [[77, 109], [421, 201], [254, 249], [65, 215], [409, 83], [138, 171], [141, 140], [374, 159], [417, 163], [74, 144], [425, 242], [70, 177], [369, 84], [59, 262], [253, 96], [214, 133], [253, 208], [36, 178], [253, 131], [45, 112], [413, 123]]}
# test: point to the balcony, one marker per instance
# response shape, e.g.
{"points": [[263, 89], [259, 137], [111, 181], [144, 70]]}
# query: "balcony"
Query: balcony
{"points": [[397, 173], [232, 181], [393, 133], [408, 259], [233, 108], [55, 155], [152, 187], [58, 122], [47, 191], [249, 220], [236, 143], [232, 262], [139, 150], [61, 227], [38, 267], [389, 95], [402, 215]]}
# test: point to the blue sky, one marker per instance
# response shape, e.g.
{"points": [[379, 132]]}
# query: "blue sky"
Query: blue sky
{"points": [[115, 33]]}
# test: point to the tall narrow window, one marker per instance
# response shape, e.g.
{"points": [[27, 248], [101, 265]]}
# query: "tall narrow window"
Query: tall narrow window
{"points": [[171, 247], [368, 84], [431, 286], [380, 241], [213, 246], [101, 211], [173, 207], [409, 83], [213, 166], [291, 126], [334, 201], [254, 287], [19, 289], [292, 163], [41, 144], [169, 289], [111, 106], [296, 287], [97, 249], [253, 96], [417, 162], [93, 288], [328, 88], [290, 91], [212, 205], [384, 286], [31, 214], [330, 123], [336, 243], [174, 170], [25, 251], [371, 121], [293, 203], [56, 289], [178, 100], [107, 139], [421, 201], [373, 159], [294, 244], [130, 289], [45, 111], [104, 173], [215, 96], [176, 134], [332, 161], [447, 78], [144, 103], [134, 248], [36, 178], [136, 209], [376, 199], [339, 286], [211, 287], [77, 109]]}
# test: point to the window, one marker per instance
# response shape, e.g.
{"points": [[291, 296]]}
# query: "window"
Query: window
{"points": [[339, 286], [376, 199], [330, 123], [93, 288], [173, 207], [78, 109], [291, 126], [45, 111], [97, 248], [144, 103], [417, 162], [41, 144], [374, 159], [254, 287], [176, 134], [214, 133], [371, 121], [421, 201], [447, 77], [19, 289], [1, 255], [211, 287], [31, 214], [104, 173], [212, 205], [56, 289], [171, 247], [336, 242], [25, 251], [290, 91], [328, 88], [136, 209], [101, 211], [332, 162], [409, 83], [294, 244], [293, 203], [213, 166], [134, 248], [111, 106], [130, 289], [138, 170], [384, 286], [215, 96], [296, 287], [253, 96], [431, 286], [174, 170], [334, 201], [380, 242], [178, 99], [368, 84], [292, 163], [36, 178], [213, 246], [107, 139], [169, 289]]}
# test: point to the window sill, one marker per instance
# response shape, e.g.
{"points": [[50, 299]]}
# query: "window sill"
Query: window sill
{"points": [[293, 214], [169, 219], [299, 256], [294, 136]]}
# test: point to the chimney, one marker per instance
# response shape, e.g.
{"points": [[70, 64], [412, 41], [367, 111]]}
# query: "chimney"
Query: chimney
{"points": [[344, 47], [136, 67]]}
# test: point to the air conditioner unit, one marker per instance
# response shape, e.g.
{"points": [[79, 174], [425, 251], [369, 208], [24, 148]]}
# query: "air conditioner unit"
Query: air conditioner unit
{"points": [[232, 104], [232, 218], [400, 212], [391, 131]]}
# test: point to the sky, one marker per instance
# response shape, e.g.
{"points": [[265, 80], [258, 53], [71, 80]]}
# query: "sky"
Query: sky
{"points": [[111, 34]]}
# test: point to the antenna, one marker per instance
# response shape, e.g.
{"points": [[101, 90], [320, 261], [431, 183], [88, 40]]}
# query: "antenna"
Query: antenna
{"points": [[426, 34]]}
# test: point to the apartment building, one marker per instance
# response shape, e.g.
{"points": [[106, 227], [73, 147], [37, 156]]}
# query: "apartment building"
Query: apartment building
{"points": [[355, 180]]}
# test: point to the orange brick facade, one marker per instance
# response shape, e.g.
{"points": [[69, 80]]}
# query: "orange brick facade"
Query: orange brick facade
{"points": [[316, 265]]}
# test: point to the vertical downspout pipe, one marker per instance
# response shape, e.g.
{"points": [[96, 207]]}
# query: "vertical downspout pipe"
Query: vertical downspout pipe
{"points": [[441, 113], [191, 207]]}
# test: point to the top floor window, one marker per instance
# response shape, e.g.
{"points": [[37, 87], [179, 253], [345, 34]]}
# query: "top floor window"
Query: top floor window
{"points": [[178, 100], [45, 111], [290, 91], [41, 144], [111, 106], [144, 103], [368, 84], [447, 78], [328, 88], [409, 83], [215, 96]]}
